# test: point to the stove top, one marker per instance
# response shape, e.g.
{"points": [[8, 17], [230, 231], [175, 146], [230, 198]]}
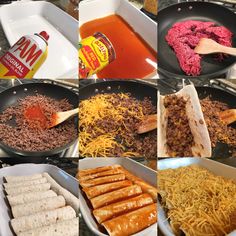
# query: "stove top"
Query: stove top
{"points": [[72, 151]]}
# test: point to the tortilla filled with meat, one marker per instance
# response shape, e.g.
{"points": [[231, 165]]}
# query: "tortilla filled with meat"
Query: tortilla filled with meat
{"points": [[182, 131]]}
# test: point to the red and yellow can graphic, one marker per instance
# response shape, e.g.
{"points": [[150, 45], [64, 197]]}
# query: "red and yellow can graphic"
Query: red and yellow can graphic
{"points": [[25, 57], [95, 53]]}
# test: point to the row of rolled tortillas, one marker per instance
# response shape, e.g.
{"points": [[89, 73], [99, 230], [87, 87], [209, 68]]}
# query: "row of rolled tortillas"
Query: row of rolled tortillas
{"points": [[40, 206]]}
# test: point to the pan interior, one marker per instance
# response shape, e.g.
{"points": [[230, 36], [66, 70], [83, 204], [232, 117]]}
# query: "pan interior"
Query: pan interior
{"points": [[221, 150], [10, 97], [201, 11]]}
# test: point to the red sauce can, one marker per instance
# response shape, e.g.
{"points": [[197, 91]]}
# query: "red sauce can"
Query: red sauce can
{"points": [[95, 53]]}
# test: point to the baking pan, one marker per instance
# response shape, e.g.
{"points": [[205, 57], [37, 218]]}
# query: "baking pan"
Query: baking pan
{"points": [[64, 179], [173, 163], [27, 18], [135, 168]]}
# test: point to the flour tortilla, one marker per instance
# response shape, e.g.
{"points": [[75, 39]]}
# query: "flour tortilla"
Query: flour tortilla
{"points": [[41, 219], [25, 183], [69, 197], [28, 189], [132, 222], [202, 147], [14, 179], [29, 197], [63, 228], [113, 210], [38, 206]]}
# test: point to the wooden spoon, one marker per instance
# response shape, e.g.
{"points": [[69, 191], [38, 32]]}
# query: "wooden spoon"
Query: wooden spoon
{"points": [[60, 117], [209, 46], [149, 122], [228, 116]]}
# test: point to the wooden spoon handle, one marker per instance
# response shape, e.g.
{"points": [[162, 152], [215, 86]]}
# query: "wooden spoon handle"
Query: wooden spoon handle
{"points": [[228, 50], [228, 116]]}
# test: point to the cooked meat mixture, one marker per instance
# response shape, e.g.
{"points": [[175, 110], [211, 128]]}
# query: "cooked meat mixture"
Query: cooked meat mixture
{"points": [[218, 131], [23, 126], [178, 133], [184, 36], [108, 127]]}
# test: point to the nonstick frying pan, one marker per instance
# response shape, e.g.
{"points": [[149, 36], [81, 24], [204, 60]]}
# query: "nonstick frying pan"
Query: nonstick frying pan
{"points": [[203, 11], [221, 150], [137, 89], [10, 96]]}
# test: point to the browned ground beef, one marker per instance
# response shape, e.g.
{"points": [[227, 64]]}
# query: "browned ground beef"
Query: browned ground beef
{"points": [[218, 131], [27, 138], [178, 133], [143, 144]]}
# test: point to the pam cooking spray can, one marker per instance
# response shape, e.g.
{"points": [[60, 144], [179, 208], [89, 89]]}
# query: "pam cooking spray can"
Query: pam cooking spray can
{"points": [[25, 57]]}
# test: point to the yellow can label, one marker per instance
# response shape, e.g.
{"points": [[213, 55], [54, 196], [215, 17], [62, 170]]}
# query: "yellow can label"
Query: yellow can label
{"points": [[93, 56], [23, 59]]}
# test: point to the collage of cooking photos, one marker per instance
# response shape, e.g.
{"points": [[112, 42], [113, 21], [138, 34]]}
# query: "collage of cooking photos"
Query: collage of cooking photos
{"points": [[117, 117]]}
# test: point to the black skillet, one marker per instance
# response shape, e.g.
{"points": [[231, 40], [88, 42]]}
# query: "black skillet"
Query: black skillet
{"points": [[10, 96], [137, 89], [203, 11], [221, 150]]}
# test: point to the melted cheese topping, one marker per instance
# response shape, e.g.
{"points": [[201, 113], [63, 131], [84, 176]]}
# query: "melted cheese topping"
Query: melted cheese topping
{"points": [[95, 141], [198, 202]]}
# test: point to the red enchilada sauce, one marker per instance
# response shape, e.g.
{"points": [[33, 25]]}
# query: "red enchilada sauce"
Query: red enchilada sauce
{"points": [[35, 117], [133, 54]]}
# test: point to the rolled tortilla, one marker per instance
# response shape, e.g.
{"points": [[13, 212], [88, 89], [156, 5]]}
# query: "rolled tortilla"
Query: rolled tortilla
{"points": [[146, 188], [41, 219], [116, 195], [104, 188], [102, 180], [132, 222], [14, 179], [38, 206], [202, 147], [96, 170], [62, 228], [28, 189], [115, 209], [100, 174], [69, 197], [25, 183], [29, 197]]}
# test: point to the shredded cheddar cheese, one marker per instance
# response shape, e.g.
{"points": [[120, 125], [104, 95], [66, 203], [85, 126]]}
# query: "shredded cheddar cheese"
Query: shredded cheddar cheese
{"points": [[198, 202], [94, 140]]}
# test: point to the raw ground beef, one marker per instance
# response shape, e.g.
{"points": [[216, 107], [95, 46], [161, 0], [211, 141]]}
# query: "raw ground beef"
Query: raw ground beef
{"points": [[27, 137], [184, 36]]}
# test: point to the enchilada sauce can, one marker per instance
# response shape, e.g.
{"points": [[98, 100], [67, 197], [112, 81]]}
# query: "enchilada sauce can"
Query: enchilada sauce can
{"points": [[95, 53], [25, 57]]}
